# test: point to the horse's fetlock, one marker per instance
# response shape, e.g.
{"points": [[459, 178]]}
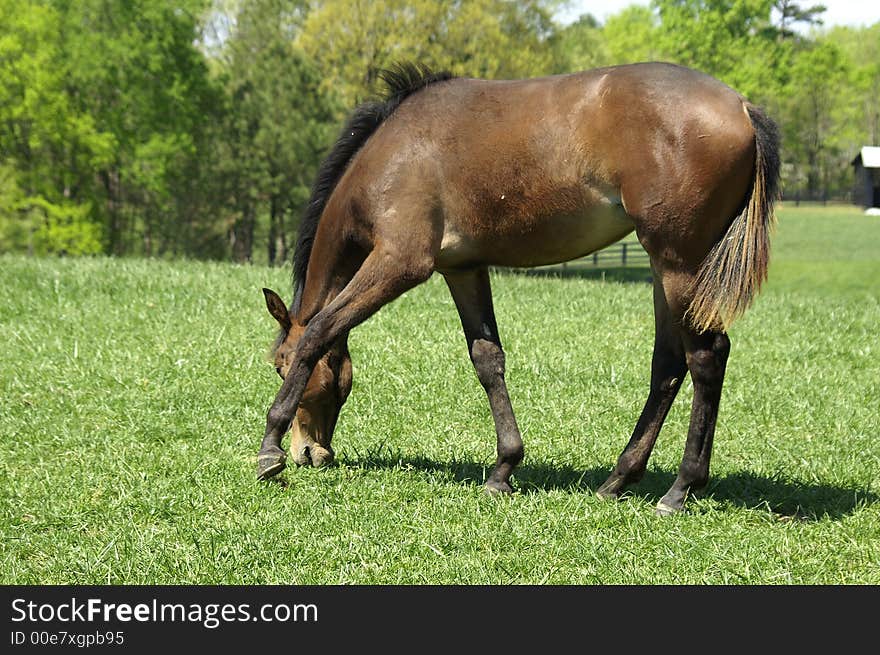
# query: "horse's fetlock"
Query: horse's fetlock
{"points": [[631, 466], [512, 453], [695, 475], [700, 482]]}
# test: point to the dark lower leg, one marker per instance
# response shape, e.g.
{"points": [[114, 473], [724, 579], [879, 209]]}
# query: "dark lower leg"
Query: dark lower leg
{"points": [[488, 359], [707, 360], [271, 459], [666, 377], [667, 371], [473, 299]]}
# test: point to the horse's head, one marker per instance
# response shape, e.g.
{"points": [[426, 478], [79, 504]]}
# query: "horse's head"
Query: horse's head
{"points": [[326, 391]]}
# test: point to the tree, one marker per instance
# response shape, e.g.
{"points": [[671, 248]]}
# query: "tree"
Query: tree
{"points": [[580, 46], [631, 36], [133, 67], [816, 82], [791, 12], [351, 40], [280, 121], [47, 142], [861, 47]]}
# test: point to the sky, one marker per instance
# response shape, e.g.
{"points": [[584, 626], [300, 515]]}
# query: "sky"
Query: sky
{"points": [[839, 12]]}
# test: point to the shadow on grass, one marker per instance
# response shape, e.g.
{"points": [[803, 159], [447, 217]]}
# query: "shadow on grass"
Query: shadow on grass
{"points": [[787, 498], [628, 274]]}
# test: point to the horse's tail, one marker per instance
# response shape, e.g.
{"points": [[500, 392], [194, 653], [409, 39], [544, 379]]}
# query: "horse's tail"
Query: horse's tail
{"points": [[733, 271]]}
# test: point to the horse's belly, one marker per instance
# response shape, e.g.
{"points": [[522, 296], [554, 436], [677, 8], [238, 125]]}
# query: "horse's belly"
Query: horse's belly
{"points": [[535, 242]]}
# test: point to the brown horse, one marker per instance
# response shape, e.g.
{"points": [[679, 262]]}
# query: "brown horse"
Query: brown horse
{"points": [[455, 175]]}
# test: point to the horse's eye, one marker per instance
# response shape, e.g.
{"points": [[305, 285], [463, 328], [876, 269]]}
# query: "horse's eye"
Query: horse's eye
{"points": [[278, 371]]}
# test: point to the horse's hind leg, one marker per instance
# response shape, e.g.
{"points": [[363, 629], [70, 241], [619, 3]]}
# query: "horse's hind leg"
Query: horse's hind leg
{"points": [[706, 360], [473, 298], [667, 371]]}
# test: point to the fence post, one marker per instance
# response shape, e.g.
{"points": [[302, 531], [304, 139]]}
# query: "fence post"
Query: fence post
{"points": [[596, 258], [624, 254]]}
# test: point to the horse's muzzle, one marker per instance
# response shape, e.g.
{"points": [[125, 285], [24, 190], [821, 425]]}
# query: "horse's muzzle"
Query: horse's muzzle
{"points": [[313, 455]]}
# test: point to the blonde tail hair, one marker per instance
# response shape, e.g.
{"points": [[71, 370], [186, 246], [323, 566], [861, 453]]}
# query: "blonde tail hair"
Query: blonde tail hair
{"points": [[732, 273]]}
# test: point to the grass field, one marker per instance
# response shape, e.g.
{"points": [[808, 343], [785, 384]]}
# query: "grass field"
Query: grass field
{"points": [[134, 397]]}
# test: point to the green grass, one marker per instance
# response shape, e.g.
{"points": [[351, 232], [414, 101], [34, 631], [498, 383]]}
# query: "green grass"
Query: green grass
{"points": [[134, 397]]}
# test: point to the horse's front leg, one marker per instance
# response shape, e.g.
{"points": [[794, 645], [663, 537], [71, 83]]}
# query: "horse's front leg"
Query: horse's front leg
{"points": [[271, 459], [473, 299], [379, 280]]}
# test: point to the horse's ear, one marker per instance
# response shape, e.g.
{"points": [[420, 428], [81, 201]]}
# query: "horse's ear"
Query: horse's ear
{"points": [[278, 309]]}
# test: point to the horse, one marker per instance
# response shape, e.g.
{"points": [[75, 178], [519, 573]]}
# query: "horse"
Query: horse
{"points": [[456, 175]]}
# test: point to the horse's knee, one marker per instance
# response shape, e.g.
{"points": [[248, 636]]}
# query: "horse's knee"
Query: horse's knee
{"points": [[488, 359], [314, 341]]}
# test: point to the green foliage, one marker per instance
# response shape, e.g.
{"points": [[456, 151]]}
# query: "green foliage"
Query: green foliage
{"points": [[581, 46], [135, 69], [816, 81], [48, 143], [351, 40], [858, 105], [631, 36], [63, 229], [15, 230], [279, 121], [34, 225], [791, 13]]}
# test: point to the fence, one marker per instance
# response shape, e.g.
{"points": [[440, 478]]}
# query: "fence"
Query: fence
{"points": [[823, 197], [622, 254], [629, 255]]}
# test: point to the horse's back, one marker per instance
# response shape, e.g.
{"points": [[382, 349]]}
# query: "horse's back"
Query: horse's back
{"points": [[565, 164]]}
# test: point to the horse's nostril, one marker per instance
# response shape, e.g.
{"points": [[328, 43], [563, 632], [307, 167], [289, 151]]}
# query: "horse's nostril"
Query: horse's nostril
{"points": [[307, 454]]}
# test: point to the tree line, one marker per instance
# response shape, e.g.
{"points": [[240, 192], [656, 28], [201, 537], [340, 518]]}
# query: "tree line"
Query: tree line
{"points": [[193, 128]]}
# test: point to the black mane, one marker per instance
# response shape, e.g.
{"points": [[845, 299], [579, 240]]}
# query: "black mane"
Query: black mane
{"points": [[402, 81]]}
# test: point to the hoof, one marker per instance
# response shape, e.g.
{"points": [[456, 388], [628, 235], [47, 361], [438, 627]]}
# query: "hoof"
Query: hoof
{"points": [[270, 462], [498, 488], [666, 510]]}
